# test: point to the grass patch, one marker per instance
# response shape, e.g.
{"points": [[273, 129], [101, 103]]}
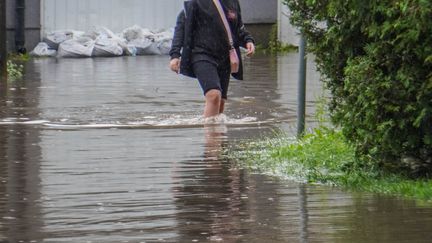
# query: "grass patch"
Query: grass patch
{"points": [[275, 46], [18, 57], [324, 157]]}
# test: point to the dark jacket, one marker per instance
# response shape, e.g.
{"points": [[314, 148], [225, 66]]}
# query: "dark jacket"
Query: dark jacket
{"points": [[200, 30]]}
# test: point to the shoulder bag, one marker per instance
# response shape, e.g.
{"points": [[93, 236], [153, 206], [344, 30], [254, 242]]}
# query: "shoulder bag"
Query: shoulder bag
{"points": [[234, 58]]}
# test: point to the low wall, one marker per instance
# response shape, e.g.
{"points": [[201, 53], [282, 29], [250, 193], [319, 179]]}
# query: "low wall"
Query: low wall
{"points": [[32, 24], [287, 33], [259, 17]]}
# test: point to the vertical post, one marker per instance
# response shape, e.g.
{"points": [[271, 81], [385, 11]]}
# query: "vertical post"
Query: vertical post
{"points": [[3, 51], [20, 26], [301, 98]]}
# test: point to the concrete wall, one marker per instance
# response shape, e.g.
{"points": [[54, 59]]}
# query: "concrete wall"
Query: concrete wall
{"points": [[259, 11], [119, 14], [116, 15], [287, 33], [259, 17], [42, 16], [32, 24]]}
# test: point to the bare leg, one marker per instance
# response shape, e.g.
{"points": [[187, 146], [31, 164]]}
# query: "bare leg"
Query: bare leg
{"points": [[213, 103], [222, 106]]}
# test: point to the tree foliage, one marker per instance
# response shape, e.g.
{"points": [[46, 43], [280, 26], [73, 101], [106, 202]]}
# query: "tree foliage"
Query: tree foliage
{"points": [[376, 59]]}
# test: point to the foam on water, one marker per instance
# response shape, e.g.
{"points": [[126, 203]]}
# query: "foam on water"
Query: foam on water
{"points": [[147, 122], [21, 121]]}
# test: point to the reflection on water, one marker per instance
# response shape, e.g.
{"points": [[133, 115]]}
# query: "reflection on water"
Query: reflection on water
{"points": [[20, 154], [209, 200], [115, 150]]}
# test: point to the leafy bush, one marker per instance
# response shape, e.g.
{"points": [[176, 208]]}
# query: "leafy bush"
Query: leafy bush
{"points": [[15, 67], [15, 71], [376, 59]]}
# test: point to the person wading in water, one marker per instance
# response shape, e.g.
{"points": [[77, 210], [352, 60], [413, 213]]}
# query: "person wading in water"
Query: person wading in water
{"points": [[201, 48]]}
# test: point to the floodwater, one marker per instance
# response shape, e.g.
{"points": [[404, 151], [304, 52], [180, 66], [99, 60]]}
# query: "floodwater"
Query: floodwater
{"points": [[114, 150]]}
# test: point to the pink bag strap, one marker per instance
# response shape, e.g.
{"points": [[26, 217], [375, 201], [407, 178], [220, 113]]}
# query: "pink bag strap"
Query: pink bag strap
{"points": [[225, 21]]}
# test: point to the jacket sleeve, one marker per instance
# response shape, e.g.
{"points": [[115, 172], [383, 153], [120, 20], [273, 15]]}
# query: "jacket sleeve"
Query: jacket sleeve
{"points": [[177, 43], [244, 35]]}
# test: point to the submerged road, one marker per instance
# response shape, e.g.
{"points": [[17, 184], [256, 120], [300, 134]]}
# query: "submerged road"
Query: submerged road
{"points": [[115, 150]]}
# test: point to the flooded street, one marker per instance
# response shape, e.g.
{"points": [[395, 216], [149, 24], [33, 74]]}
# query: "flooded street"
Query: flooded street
{"points": [[115, 150]]}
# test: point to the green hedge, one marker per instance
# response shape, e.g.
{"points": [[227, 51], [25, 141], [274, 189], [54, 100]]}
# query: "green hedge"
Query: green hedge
{"points": [[376, 59]]}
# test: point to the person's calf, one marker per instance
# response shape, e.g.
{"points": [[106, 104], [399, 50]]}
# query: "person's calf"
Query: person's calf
{"points": [[222, 106], [213, 103]]}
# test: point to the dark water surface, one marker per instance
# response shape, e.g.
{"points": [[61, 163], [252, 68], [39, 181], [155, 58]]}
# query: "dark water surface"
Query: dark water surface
{"points": [[115, 150]]}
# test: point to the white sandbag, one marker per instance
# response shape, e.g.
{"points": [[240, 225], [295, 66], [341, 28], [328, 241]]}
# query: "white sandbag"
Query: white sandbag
{"points": [[164, 40], [163, 35], [142, 40], [153, 49], [107, 47], [143, 46], [80, 47], [133, 33], [148, 34], [164, 46], [43, 50], [136, 33], [54, 39], [109, 44], [96, 32], [130, 50]]}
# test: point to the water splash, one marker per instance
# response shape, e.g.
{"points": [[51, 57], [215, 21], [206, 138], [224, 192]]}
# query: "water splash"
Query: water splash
{"points": [[146, 122]]}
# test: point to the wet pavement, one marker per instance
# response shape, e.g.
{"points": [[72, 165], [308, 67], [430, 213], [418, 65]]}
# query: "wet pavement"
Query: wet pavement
{"points": [[115, 150]]}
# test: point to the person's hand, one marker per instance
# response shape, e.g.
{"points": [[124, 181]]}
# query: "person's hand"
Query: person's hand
{"points": [[175, 65], [250, 49]]}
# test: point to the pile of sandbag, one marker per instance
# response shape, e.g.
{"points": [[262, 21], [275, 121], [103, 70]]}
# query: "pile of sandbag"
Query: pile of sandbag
{"points": [[102, 42], [148, 42]]}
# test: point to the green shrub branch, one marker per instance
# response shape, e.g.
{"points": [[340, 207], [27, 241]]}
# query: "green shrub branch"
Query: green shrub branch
{"points": [[376, 60]]}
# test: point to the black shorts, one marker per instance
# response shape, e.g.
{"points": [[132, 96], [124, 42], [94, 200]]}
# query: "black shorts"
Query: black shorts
{"points": [[212, 76]]}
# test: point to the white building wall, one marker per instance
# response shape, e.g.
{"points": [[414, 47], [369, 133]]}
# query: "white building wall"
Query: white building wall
{"points": [[116, 15], [259, 11], [288, 34]]}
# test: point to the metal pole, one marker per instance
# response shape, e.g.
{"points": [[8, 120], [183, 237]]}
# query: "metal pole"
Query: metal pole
{"points": [[20, 26], [3, 51], [301, 100]]}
